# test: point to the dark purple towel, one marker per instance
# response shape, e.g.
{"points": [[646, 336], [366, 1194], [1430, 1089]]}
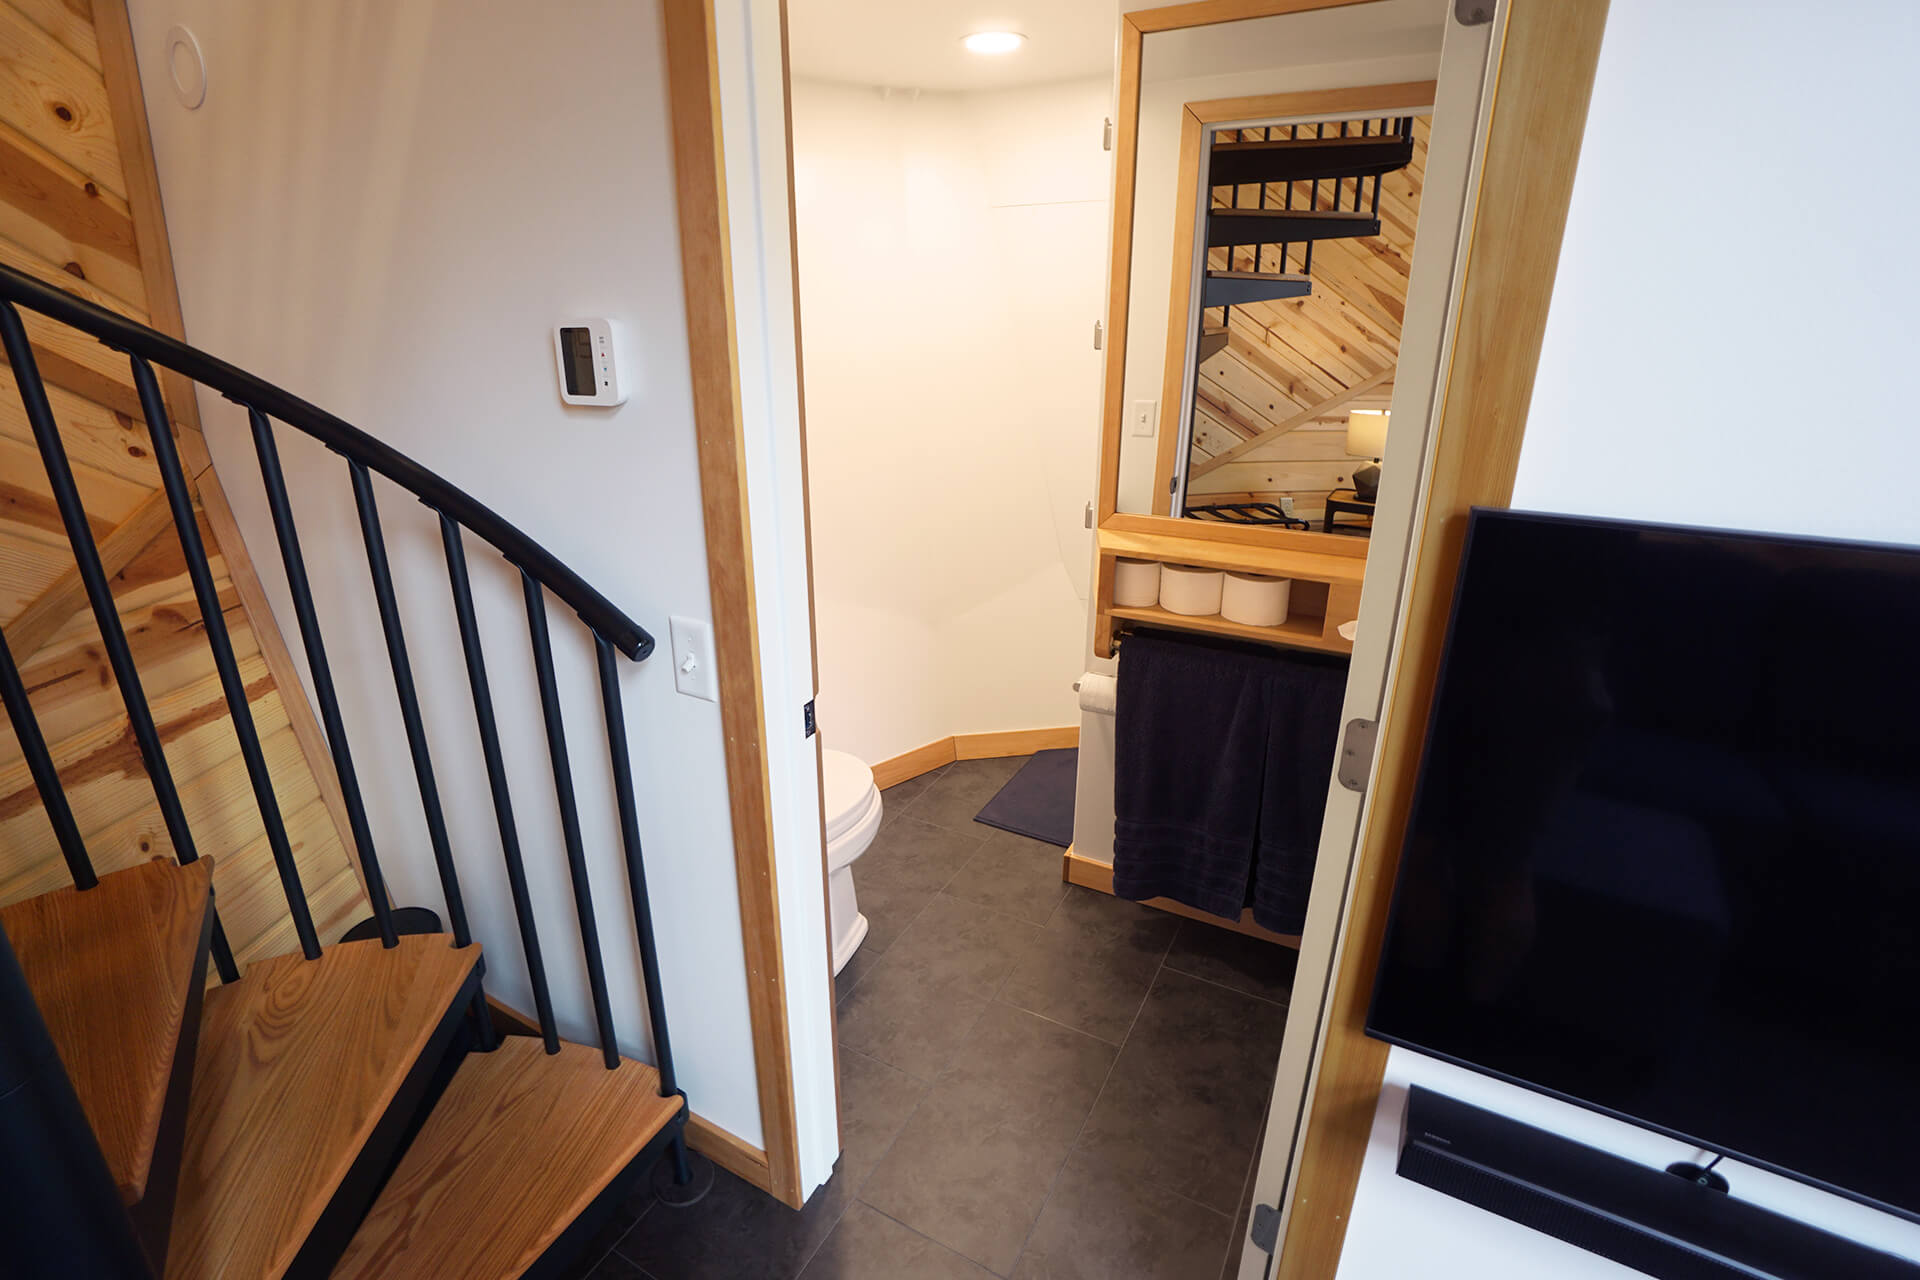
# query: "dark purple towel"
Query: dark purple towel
{"points": [[1222, 757]]}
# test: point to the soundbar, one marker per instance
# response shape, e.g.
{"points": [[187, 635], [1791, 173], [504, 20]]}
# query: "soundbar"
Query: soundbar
{"points": [[1656, 1222]]}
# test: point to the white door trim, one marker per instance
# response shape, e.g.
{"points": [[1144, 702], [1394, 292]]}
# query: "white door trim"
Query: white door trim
{"points": [[1455, 149]]}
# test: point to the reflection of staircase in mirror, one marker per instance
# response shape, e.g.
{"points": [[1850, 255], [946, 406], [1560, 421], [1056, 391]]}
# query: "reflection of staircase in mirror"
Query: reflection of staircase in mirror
{"points": [[1278, 374], [1273, 224]]}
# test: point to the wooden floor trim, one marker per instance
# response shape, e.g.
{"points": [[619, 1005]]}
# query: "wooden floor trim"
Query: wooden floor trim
{"points": [[971, 746], [1013, 742], [733, 1153], [911, 764], [1088, 874]]}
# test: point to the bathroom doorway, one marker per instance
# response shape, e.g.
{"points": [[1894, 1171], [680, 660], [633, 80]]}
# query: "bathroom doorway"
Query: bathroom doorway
{"points": [[1203, 231], [972, 986]]}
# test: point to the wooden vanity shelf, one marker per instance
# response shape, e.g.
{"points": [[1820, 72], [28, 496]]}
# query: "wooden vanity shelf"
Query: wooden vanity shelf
{"points": [[1326, 589]]}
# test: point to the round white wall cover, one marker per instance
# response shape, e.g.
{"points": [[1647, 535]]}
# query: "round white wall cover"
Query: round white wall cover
{"points": [[186, 68]]}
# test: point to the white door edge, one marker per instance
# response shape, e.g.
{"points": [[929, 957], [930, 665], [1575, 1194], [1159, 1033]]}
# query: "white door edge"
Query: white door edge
{"points": [[1455, 149]]}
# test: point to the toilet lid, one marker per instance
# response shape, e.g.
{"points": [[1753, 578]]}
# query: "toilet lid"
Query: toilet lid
{"points": [[849, 784]]}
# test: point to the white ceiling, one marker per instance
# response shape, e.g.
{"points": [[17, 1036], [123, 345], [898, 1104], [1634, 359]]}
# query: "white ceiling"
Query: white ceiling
{"points": [[1383, 29], [915, 44]]}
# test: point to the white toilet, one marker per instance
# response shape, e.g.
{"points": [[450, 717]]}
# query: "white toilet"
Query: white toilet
{"points": [[852, 805]]}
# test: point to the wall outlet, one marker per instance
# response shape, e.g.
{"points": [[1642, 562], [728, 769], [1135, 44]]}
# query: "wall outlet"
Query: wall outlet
{"points": [[693, 672], [1145, 413]]}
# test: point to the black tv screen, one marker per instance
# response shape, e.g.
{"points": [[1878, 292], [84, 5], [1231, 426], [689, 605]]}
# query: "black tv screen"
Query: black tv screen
{"points": [[1664, 855]]}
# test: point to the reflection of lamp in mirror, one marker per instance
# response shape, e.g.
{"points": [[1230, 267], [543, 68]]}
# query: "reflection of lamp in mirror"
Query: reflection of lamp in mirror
{"points": [[1367, 438]]}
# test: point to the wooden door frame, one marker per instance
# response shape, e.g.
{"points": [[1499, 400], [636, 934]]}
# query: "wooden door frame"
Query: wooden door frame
{"points": [[1547, 54], [1195, 120], [693, 90]]}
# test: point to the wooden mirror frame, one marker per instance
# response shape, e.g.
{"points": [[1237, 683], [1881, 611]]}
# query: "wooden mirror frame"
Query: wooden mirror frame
{"points": [[1315, 558]]}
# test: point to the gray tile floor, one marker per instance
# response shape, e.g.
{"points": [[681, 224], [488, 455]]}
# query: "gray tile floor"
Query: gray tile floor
{"points": [[1037, 1081]]}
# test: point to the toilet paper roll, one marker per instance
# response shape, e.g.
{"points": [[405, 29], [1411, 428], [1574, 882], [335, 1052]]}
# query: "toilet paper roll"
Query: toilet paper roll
{"points": [[1194, 592], [1098, 694], [1254, 599], [1136, 583]]}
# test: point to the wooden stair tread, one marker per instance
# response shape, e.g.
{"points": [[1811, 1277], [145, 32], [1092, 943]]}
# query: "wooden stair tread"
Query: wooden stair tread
{"points": [[112, 969], [516, 1149], [297, 1063], [1307, 215], [1291, 277]]}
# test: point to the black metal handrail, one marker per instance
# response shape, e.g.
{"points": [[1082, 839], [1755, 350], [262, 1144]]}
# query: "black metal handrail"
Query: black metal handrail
{"points": [[458, 513], [116, 331]]}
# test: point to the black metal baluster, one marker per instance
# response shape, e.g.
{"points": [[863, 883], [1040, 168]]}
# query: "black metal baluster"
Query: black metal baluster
{"points": [[569, 817], [1233, 202], [46, 778], [86, 559], [1285, 249], [1313, 202], [322, 671], [622, 765], [1340, 184], [382, 575], [1266, 135], [497, 778], [213, 622]]}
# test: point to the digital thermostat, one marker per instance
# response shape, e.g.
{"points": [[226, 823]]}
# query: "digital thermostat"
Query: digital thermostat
{"points": [[588, 355]]}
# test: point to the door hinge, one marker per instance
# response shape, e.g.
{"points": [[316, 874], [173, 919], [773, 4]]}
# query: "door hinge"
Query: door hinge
{"points": [[1106, 134], [1099, 334], [1089, 519], [806, 717], [1356, 753], [1265, 1227], [1473, 13]]}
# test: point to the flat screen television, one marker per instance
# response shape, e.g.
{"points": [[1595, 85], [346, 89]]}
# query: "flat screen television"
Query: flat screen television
{"points": [[1663, 859]]}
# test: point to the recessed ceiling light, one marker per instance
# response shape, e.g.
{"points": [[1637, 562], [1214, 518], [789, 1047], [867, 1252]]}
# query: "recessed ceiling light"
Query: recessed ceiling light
{"points": [[994, 41]]}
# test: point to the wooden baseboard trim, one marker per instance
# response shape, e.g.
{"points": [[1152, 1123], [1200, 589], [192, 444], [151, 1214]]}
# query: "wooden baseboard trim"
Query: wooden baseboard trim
{"points": [[971, 746], [1014, 742], [911, 764], [734, 1154], [1089, 874]]}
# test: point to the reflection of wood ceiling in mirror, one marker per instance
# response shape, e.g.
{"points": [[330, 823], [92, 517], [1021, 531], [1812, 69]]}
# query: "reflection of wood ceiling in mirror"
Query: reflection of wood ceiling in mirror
{"points": [[1285, 359]]}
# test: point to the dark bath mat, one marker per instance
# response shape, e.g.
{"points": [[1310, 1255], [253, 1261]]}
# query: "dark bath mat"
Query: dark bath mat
{"points": [[1037, 801]]}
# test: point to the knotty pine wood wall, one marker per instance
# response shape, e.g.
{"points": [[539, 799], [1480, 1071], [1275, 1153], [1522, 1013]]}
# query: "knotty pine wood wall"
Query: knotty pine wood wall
{"points": [[1283, 358], [77, 201]]}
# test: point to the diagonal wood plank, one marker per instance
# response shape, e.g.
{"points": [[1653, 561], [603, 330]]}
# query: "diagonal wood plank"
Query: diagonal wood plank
{"points": [[1297, 420], [57, 100], [112, 969], [515, 1150], [49, 611]]}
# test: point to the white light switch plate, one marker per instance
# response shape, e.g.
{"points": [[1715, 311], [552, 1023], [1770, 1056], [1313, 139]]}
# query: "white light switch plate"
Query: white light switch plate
{"points": [[693, 658], [1144, 413]]}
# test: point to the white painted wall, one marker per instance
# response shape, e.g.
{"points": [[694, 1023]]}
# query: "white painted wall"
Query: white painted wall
{"points": [[1709, 352], [952, 251], [384, 207]]}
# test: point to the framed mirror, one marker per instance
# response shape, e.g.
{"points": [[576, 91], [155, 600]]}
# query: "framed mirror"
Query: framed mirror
{"points": [[1268, 171]]}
